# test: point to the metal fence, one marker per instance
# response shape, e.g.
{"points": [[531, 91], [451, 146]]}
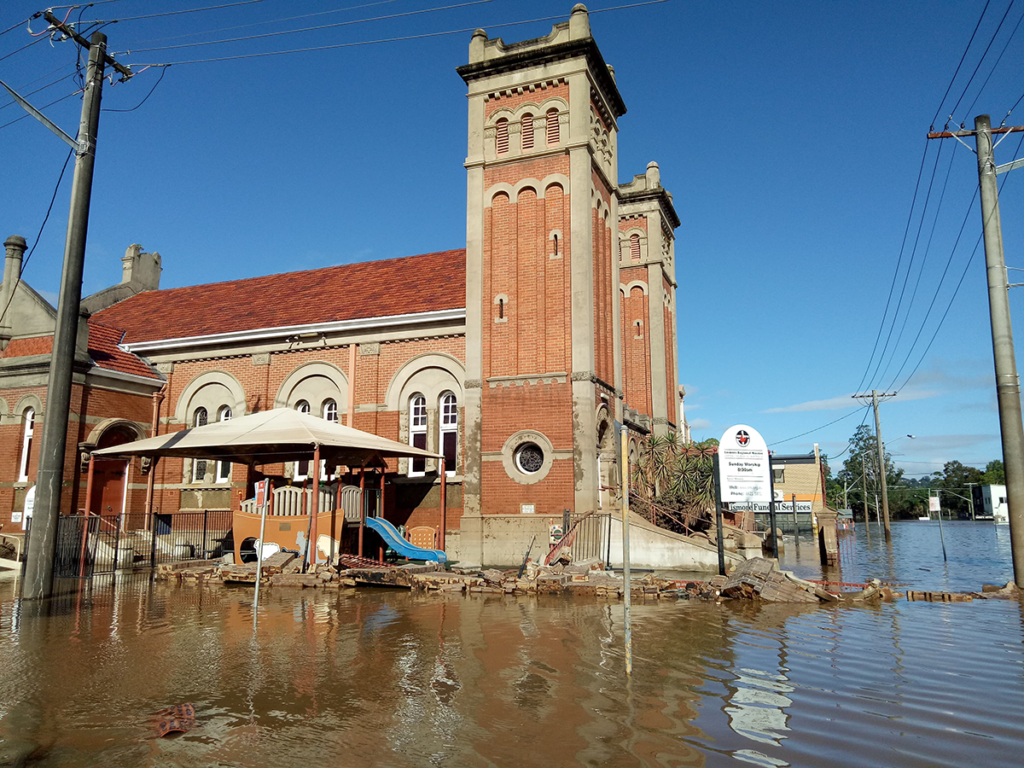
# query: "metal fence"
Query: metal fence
{"points": [[593, 537], [103, 544]]}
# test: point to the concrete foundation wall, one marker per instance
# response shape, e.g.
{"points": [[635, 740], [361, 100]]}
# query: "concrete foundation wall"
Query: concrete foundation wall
{"points": [[654, 548]]}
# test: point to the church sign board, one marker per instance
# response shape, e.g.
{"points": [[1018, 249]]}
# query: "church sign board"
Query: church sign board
{"points": [[744, 466]]}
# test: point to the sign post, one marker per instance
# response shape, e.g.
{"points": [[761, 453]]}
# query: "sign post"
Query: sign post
{"points": [[744, 472], [261, 504], [719, 536]]}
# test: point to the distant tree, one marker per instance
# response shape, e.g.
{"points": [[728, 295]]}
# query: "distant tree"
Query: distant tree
{"points": [[954, 479], [860, 473], [995, 473]]}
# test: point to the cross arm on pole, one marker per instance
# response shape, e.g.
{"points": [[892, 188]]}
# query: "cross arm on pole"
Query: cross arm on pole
{"points": [[57, 24]]}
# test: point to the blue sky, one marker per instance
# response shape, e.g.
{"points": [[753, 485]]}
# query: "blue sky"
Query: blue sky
{"points": [[791, 136]]}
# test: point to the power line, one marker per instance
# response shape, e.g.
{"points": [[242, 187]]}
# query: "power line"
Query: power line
{"points": [[45, 106], [910, 266], [957, 289], [269, 21], [310, 29], [19, 50], [957, 72], [794, 437], [390, 39], [182, 11], [983, 55], [895, 276], [162, 73], [39, 234], [996, 65], [920, 273], [921, 270], [60, 79]]}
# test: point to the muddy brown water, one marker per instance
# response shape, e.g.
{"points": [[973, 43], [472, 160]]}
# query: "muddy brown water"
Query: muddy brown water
{"points": [[393, 678]]}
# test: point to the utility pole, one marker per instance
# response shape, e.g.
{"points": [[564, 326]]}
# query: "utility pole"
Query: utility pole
{"points": [[1007, 381], [864, 487], [881, 454], [38, 582]]}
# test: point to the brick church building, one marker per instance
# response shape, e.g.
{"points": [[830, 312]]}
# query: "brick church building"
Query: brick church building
{"points": [[513, 357]]}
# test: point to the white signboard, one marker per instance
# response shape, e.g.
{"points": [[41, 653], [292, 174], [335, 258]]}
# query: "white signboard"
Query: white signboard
{"points": [[30, 505], [802, 507], [743, 465], [934, 505]]}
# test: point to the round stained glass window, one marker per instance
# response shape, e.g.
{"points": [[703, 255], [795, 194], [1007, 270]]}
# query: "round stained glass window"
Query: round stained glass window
{"points": [[530, 458]]}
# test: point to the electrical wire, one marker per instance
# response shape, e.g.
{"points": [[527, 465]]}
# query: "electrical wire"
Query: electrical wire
{"points": [[962, 58], [920, 273], [924, 262], [389, 39], [41, 88], [952, 298], [39, 234], [184, 10], [19, 50], [308, 29], [45, 106], [896, 273], [163, 72], [910, 267], [995, 66], [983, 55], [270, 21], [834, 421]]}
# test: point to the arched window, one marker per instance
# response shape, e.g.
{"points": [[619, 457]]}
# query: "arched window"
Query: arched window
{"points": [[330, 411], [224, 467], [417, 433], [199, 419], [552, 126], [527, 131], [301, 467], [634, 247], [501, 139], [29, 419], [449, 432]]}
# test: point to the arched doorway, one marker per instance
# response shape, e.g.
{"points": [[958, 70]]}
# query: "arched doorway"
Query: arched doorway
{"points": [[110, 476]]}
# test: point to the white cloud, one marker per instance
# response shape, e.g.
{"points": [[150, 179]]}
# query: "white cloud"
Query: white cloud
{"points": [[699, 423]]}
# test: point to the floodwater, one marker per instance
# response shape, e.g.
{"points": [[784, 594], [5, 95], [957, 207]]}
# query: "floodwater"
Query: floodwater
{"points": [[393, 678]]}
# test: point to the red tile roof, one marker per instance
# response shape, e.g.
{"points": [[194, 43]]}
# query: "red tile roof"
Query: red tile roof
{"points": [[35, 345], [103, 350], [430, 282], [105, 353]]}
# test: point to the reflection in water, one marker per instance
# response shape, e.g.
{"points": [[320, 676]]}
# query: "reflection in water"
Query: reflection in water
{"points": [[384, 677]]}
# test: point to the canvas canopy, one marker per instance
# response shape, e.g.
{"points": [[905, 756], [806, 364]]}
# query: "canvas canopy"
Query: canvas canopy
{"points": [[281, 434]]}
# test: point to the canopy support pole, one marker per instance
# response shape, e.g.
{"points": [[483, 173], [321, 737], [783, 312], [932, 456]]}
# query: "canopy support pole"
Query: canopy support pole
{"points": [[362, 506], [380, 508], [85, 521], [314, 507], [444, 508]]}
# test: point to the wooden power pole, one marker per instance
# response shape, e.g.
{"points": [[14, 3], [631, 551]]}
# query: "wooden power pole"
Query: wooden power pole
{"points": [[1007, 380]]}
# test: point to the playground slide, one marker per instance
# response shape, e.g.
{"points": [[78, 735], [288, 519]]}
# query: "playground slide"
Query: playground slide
{"points": [[394, 539]]}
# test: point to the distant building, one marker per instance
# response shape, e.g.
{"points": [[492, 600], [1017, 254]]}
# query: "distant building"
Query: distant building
{"points": [[515, 357], [990, 501]]}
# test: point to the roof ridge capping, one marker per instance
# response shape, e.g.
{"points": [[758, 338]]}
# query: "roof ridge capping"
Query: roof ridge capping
{"points": [[567, 38]]}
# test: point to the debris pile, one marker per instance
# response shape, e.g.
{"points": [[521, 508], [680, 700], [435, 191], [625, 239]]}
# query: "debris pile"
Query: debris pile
{"points": [[757, 579]]}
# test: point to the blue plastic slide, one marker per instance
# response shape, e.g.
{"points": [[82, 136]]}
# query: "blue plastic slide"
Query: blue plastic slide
{"points": [[394, 539]]}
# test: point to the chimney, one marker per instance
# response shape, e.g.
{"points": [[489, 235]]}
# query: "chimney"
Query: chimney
{"points": [[140, 269], [15, 246]]}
